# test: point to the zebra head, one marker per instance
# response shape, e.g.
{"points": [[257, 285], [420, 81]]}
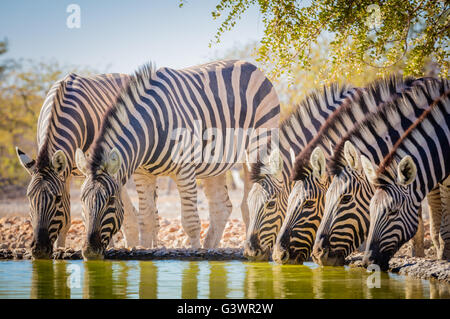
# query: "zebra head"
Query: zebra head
{"points": [[101, 202], [49, 200], [394, 215], [304, 212], [345, 220], [264, 208]]}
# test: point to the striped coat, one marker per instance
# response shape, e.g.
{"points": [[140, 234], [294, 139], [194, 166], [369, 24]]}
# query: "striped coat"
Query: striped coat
{"points": [[346, 214], [186, 124], [417, 163], [70, 118]]}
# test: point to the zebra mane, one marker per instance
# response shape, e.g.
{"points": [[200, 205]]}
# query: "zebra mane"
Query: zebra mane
{"points": [[377, 92], [301, 113], [117, 110], [372, 122], [411, 131], [43, 157]]}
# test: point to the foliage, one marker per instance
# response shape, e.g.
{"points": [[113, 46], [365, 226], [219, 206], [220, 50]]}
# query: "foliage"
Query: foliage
{"points": [[294, 87], [384, 35]]}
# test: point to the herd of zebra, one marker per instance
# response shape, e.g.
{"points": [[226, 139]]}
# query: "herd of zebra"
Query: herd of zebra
{"points": [[348, 168]]}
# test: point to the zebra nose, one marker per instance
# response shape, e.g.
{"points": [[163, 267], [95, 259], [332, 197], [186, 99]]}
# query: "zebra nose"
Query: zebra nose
{"points": [[93, 249], [42, 237], [280, 255], [372, 255], [254, 242], [253, 249], [94, 240], [320, 249], [285, 240], [323, 243], [41, 247]]}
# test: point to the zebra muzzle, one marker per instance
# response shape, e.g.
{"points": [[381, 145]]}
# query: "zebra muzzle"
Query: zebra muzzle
{"points": [[42, 247], [93, 248], [280, 255]]}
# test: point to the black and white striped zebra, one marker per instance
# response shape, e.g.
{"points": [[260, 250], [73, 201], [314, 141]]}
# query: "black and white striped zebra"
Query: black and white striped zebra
{"points": [[417, 163], [69, 119], [346, 219], [306, 202], [138, 135], [269, 195]]}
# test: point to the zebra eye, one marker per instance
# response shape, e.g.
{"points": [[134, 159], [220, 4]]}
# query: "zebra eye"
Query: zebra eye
{"points": [[270, 204], [58, 198], [309, 204], [112, 199], [346, 199]]}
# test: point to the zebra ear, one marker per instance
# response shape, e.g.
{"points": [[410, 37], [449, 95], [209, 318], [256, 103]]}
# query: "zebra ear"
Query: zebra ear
{"points": [[275, 163], [369, 168], [80, 160], [114, 161], [292, 153], [25, 161], [59, 161], [351, 155], [318, 162], [406, 171]]}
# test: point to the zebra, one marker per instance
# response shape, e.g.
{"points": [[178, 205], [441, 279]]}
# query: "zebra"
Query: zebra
{"points": [[69, 119], [417, 163], [268, 197], [346, 217], [140, 132], [306, 201]]}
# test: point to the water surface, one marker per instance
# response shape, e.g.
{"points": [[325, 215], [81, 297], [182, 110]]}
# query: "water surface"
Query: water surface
{"points": [[202, 279]]}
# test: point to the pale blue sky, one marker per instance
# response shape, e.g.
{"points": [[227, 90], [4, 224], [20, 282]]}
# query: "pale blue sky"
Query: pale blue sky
{"points": [[120, 34]]}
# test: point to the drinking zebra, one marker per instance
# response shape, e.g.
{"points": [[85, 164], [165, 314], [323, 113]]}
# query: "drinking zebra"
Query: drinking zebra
{"points": [[306, 202], [346, 217], [70, 118], [418, 162], [268, 198], [149, 130]]}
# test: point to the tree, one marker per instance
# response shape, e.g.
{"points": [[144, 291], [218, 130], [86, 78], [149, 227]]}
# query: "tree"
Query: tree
{"points": [[3, 49], [293, 87], [383, 35]]}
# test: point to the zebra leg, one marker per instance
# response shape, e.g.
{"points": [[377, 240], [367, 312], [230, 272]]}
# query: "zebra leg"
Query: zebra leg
{"points": [[435, 212], [130, 229], [187, 188], [220, 208], [148, 213], [445, 220], [244, 204], [417, 240]]}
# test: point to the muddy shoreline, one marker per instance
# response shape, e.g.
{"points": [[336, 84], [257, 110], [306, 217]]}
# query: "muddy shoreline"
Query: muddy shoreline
{"points": [[422, 268]]}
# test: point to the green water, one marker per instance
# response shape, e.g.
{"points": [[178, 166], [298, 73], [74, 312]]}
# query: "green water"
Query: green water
{"points": [[202, 279]]}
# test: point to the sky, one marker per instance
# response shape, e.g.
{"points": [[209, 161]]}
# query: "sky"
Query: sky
{"points": [[118, 36]]}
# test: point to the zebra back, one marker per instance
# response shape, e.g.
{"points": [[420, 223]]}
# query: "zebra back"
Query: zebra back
{"points": [[218, 96], [427, 141], [370, 100]]}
